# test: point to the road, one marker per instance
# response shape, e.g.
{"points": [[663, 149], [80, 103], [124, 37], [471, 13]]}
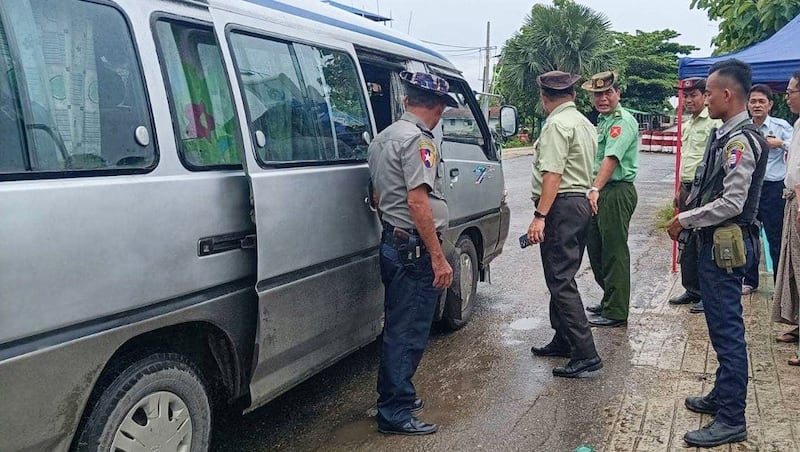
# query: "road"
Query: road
{"points": [[481, 384]]}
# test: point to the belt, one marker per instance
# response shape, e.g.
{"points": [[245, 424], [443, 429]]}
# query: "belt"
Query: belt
{"points": [[391, 237], [707, 233], [571, 195], [618, 182]]}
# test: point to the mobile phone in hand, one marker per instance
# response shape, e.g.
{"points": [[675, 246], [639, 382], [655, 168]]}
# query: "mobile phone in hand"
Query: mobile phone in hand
{"points": [[523, 241]]}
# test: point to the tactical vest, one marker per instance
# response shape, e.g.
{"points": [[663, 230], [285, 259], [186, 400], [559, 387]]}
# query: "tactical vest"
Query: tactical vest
{"points": [[711, 183]]}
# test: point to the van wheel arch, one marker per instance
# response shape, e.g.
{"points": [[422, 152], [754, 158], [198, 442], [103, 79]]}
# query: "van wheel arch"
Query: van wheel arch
{"points": [[203, 345]]}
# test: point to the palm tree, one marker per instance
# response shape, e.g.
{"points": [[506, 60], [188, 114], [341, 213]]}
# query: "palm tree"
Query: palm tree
{"points": [[566, 37]]}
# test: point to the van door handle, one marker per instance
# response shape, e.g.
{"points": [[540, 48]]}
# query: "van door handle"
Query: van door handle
{"points": [[226, 242], [454, 173]]}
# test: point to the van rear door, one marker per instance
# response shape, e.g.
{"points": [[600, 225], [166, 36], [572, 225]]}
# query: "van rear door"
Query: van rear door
{"points": [[304, 110]]}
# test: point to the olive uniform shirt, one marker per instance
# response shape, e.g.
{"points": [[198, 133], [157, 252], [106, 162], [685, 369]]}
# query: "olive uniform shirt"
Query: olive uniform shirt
{"points": [[618, 136], [739, 163], [695, 134], [402, 157], [566, 146]]}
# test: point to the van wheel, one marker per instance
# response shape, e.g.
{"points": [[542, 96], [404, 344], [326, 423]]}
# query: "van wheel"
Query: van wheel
{"points": [[156, 403], [461, 295]]}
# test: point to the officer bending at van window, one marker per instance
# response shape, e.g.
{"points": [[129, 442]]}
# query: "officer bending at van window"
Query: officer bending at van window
{"points": [[723, 206], [404, 164], [562, 175]]}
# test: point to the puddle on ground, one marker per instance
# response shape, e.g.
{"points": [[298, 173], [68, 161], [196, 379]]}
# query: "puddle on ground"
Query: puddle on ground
{"points": [[526, 324]]}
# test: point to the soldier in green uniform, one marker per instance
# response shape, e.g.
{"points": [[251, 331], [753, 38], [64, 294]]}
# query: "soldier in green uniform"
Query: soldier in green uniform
{"points": [[562, 174], [613, 199]]}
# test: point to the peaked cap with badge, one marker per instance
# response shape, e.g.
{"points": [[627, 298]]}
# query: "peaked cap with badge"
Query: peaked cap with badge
{"points": [[431, 83], [602, 81], [693, 83]]}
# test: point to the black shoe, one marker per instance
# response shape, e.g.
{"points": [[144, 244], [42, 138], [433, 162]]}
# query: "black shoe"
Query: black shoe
{"points": [[683, 299], [414, 427], [577, 368], [715, 434], [697, 308], [550, 350], [607, 323], [595, 309], [417, 406], [705, 405]]}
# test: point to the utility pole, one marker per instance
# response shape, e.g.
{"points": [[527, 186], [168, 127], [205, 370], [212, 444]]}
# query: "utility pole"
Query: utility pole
{"points": [[487, 49]]}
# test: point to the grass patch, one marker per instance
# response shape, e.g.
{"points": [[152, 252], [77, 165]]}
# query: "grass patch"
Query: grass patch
{"points": [[664, 214]]}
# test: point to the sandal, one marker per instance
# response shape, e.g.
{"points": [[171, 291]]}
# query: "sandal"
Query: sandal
{"points": [[789, 337], [794, 361]]}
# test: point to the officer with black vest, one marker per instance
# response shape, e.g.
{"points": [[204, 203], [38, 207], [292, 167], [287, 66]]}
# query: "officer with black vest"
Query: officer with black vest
{"points": [[723, 204]]}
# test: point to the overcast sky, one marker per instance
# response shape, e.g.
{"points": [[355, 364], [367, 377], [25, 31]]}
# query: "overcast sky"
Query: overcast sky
{"points": [[463, 23]]}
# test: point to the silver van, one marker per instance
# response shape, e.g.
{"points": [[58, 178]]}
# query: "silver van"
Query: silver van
{"points": [[182, 206]]}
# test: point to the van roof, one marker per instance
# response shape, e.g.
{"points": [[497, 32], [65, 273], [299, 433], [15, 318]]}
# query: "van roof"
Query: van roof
{"points": [[338, 23]]}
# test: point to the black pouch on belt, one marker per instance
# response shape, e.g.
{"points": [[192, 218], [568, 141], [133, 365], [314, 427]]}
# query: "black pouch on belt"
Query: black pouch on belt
{"points": [[729, 247], [408, 246]]}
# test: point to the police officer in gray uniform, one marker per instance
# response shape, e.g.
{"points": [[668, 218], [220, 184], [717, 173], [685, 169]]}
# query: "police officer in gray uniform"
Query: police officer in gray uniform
{"points": [[722, 205], [405, 166]]}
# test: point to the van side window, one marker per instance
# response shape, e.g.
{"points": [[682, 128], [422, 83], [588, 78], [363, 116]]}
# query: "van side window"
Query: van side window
{"points": [[71, 93], [200, 97], [307, 102], [459, 123]]}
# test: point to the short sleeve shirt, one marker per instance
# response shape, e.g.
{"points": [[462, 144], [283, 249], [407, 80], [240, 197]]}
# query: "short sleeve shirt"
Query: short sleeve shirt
{"points": [[776, 165], [695, 134], [405, 156], [566, 146], [618, 136]]}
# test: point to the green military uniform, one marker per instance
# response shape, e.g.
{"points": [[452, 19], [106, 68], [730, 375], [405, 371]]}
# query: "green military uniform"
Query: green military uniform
{"points": [[607, 244]]}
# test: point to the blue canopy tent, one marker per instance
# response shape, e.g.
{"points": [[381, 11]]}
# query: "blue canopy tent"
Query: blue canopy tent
{"points": [[773, 62]]}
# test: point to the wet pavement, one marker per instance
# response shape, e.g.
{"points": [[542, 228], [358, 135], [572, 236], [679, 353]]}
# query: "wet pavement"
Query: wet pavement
{"points": [[487, 392]]}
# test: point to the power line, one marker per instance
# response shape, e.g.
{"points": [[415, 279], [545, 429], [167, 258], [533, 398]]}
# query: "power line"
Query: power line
{"points": [[450, 45]]}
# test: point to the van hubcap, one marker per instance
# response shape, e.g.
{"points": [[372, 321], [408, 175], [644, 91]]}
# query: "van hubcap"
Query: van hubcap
{"points": [[160, 422], [466, 280]]}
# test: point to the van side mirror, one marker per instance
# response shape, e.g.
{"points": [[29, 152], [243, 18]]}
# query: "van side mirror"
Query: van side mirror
{"points": [[509, 121]]}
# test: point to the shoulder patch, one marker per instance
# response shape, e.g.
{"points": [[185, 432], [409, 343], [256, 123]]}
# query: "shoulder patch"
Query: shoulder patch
{"points": [[615, 131], [733, 152], [427, 152]]}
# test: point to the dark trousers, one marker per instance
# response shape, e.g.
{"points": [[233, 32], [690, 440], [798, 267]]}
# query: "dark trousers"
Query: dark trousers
{"points": [[770, 214], [722, 300], [409, 304], [688, 257], [607, 245], [562, 252]]}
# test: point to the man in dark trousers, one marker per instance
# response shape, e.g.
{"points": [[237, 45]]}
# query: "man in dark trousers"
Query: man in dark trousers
{"points": [[403, 163], [562, 175], [723, 206]]}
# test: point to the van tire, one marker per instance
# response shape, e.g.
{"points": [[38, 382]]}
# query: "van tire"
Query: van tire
{"points": [[461, 294], [162, 378]]}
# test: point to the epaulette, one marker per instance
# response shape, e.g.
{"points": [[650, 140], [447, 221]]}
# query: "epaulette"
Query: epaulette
{"points": [[424, 131], [617, 114]]}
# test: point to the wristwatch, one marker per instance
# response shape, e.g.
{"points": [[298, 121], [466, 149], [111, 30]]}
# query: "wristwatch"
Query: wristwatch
{"points": [[537, 214], [589, 192]]}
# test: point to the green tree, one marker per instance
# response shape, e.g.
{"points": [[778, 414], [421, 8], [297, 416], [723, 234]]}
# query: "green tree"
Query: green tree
{"points": [[746, 22], [648, 66], [565, 36]]}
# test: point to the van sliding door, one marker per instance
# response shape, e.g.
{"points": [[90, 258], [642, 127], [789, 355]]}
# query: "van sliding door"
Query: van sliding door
{"points": [[319, 289]]}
